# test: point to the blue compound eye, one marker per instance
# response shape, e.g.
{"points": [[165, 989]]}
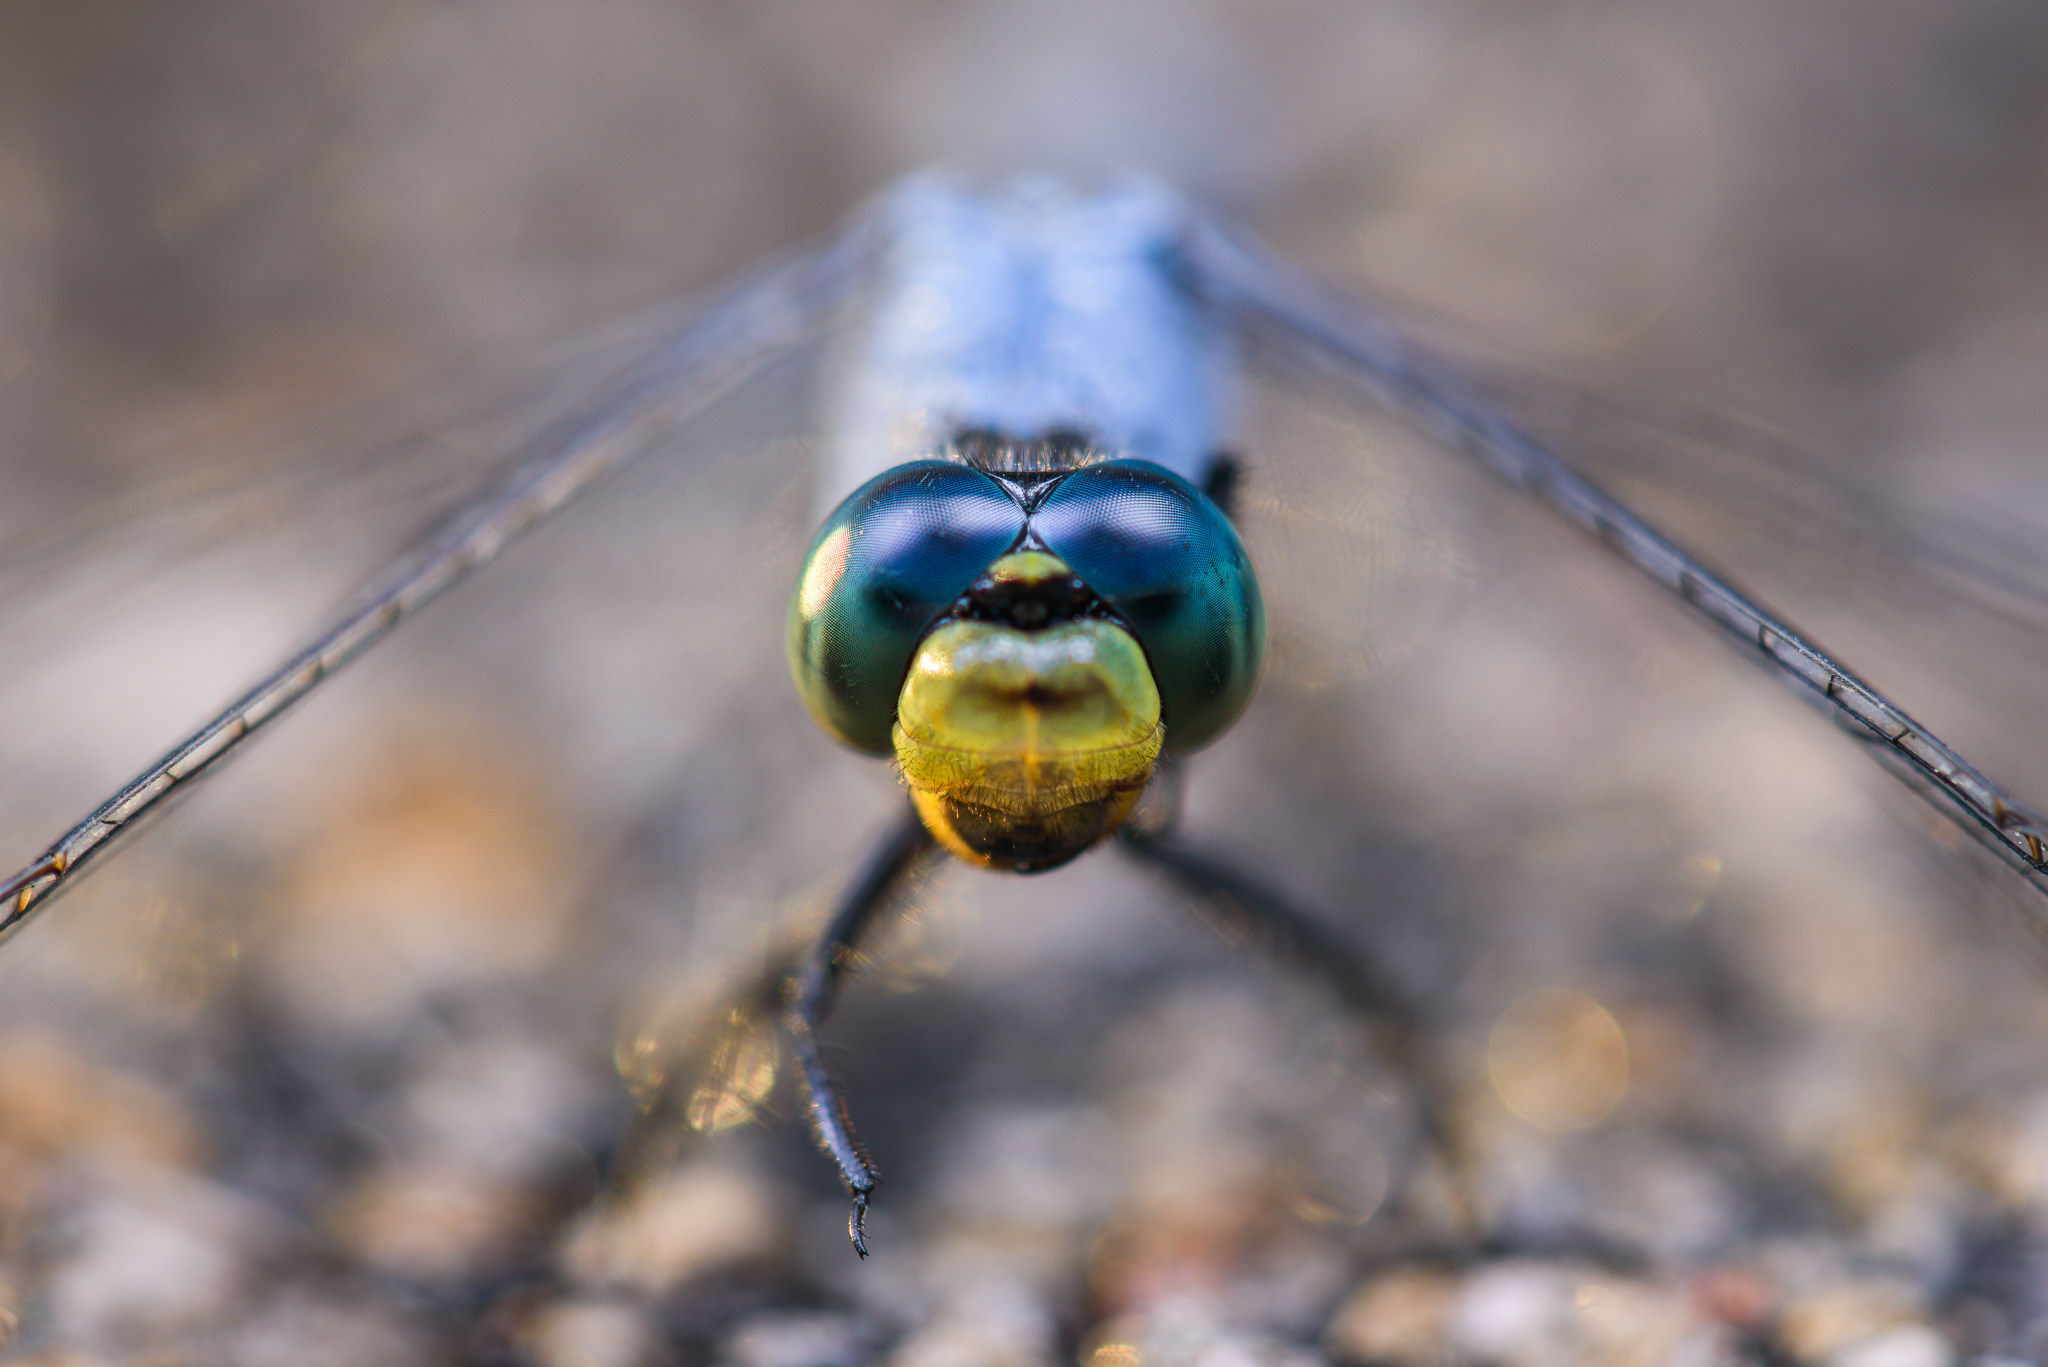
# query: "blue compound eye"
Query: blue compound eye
{"points": [[889, 560], [1168, 562]]}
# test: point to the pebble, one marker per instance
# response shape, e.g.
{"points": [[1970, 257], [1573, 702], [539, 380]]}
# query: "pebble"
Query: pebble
{"points": [[1399, 1318], [590, 1334], [1912, 1345], [680, 1225], [801, 1340]]}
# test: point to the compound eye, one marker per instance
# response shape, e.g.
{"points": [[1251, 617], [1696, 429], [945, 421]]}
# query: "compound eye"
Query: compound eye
{"points": [[1168, 562], [887, 562]]}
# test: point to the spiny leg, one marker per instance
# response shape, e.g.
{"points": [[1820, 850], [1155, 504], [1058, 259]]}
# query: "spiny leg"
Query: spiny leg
{"points": [[1239, 904], [812, 990]]}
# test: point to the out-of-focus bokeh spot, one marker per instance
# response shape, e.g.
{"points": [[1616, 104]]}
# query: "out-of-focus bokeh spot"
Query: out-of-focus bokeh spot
{"points": [[1558, 1060], [1115, 1355]]}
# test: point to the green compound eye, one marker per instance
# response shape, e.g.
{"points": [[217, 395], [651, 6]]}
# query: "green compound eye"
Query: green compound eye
{"points": [[887, 562], [1167, 561]]}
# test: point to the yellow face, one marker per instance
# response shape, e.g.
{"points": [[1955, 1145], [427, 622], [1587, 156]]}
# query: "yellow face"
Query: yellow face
{"points": [[1027, 694], [1023, 747]]}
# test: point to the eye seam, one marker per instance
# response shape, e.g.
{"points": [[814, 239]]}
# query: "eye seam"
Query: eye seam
{"points": [[1158, 557], [1184, 585]]}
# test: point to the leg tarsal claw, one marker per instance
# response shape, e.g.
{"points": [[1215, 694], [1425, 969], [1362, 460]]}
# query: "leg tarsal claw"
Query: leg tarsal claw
{"points": [[857, 1223]]}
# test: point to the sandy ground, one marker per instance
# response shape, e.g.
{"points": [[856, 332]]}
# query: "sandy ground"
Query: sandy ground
{"points": [[409, 1039]]}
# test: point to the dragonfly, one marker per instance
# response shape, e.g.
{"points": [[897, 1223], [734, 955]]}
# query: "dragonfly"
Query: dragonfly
{"points": [[1029, 589]]}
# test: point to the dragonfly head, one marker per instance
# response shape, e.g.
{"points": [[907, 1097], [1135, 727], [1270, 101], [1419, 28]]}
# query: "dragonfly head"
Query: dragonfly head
{"points": [[1026, 653], [1023, 745]]}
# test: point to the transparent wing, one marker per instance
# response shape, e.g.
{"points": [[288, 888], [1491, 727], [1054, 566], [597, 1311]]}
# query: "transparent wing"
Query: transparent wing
{"points": [[1437, 396], [207, 480], [762, 317], [1766, 485]]}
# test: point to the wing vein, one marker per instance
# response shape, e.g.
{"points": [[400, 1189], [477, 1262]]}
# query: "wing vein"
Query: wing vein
{"points": [[739, 332], [1350, 335]]}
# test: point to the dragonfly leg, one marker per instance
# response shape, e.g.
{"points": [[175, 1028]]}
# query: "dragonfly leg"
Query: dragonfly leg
{"points": [[1226, 475], [810, 992], [1242, 907]]}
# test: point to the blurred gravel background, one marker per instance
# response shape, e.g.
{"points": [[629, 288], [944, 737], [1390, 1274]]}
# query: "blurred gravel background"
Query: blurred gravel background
{"points": [[405, 1041]]}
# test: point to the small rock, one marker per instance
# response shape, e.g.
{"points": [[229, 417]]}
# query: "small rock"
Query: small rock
{"points": [[1832, 1319], [590, 1334], [1912, 1345], [1398, 1317], [801, 1341], [1514, 1312], [429, 1221], [680, 1225], [149, 1260]]}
